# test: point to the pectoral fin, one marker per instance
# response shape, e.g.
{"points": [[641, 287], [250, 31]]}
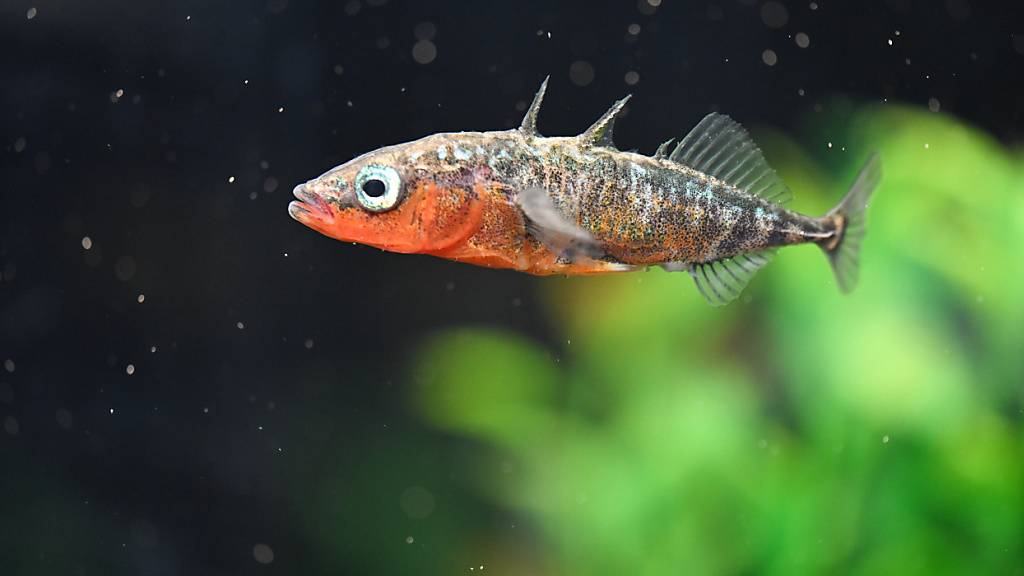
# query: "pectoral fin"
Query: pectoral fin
{"points": [[545, 223]]}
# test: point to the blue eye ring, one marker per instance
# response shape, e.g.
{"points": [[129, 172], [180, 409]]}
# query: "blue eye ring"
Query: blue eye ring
{"points": [[378, 188]]}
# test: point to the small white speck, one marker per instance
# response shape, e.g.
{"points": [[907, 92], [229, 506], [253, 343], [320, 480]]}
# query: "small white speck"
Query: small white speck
{"points": [[240, 325], [86, 243], [889, 41], [830, 145], [409, 539], [31, 13], [152, 349], [231, 179], [309, 343], [885, 439], [246, 82], [802, 40], [141, 298], [280, 109], [9, 365], [934, 105], [769, 57], [206, 410], [187, 18], [926, 146], [111, 410], [263, 554], [130, 369]]}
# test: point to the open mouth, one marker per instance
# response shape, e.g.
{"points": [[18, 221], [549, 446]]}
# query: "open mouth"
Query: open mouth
{"points": [[309, 204]]}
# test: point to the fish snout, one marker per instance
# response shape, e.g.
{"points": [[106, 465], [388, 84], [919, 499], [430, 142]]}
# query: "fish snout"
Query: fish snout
{"points": [[309, 203]]}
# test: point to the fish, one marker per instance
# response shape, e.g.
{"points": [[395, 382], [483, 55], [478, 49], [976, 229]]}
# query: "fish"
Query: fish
{"points": [[709, 204]]}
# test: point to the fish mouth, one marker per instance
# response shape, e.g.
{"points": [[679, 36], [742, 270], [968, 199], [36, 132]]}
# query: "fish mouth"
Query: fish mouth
{"points": [[308, 205]]}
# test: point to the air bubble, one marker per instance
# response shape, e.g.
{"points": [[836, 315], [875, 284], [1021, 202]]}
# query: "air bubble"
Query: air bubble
{"points": [[581, 73]]}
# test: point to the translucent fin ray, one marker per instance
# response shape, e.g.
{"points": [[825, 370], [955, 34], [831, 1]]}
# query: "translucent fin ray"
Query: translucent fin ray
{"points": [[847, 218], [722, 281], [545, 223], [719, 147]]}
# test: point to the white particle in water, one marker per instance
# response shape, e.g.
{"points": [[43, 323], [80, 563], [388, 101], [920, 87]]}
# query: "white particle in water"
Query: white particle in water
{"points": [[152, 349], [231, 179], [9, 365], [934, 105], [130, 369], [885, 439], [280, 109], [830, 145], [424, 52], [633, 29], [774, 14], [20, 144], [889, 41], [632, 77], [240, 325], [581, 73], [31, 13], [263, 553], [86, 243], [309, 343], [409, 539], [926, 146], [141, 298], [802, 40], [424, 31], [769, 57]]}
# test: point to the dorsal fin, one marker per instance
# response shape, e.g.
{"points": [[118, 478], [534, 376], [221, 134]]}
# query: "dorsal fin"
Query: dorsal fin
{"points": [[600, 133], [662, 151], [529, 124], [720, 147]]}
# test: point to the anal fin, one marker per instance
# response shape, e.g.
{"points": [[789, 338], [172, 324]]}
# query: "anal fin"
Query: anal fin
{"points": [[722, 281]]}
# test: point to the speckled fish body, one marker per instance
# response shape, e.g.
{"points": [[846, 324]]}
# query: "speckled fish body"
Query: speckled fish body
{"points": [[577, 205]]}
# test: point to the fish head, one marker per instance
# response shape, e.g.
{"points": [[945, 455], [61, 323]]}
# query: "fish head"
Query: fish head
{"points": [[405, 198]]}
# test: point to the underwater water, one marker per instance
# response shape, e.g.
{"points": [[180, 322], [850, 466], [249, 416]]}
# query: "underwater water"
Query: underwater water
{"points": [[194, 383]]}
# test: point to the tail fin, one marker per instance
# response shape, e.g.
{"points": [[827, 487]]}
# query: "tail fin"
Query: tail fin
{"points": [[847, 218]]}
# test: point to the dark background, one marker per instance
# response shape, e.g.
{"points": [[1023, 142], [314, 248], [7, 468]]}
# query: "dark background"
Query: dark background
{"points": [[279, 353]]}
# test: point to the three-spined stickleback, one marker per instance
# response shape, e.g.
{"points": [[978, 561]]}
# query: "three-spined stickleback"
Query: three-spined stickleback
{"points": [[710, 204]]}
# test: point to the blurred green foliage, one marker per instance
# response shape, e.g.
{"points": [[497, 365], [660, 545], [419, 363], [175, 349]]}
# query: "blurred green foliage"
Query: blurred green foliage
{"points": [[794, 431]]}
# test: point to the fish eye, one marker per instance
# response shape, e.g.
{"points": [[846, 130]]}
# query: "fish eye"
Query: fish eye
{"points": [[378, 188]]}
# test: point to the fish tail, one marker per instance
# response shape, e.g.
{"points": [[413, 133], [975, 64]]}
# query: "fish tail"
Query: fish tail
{"points": [[847, 222]]}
